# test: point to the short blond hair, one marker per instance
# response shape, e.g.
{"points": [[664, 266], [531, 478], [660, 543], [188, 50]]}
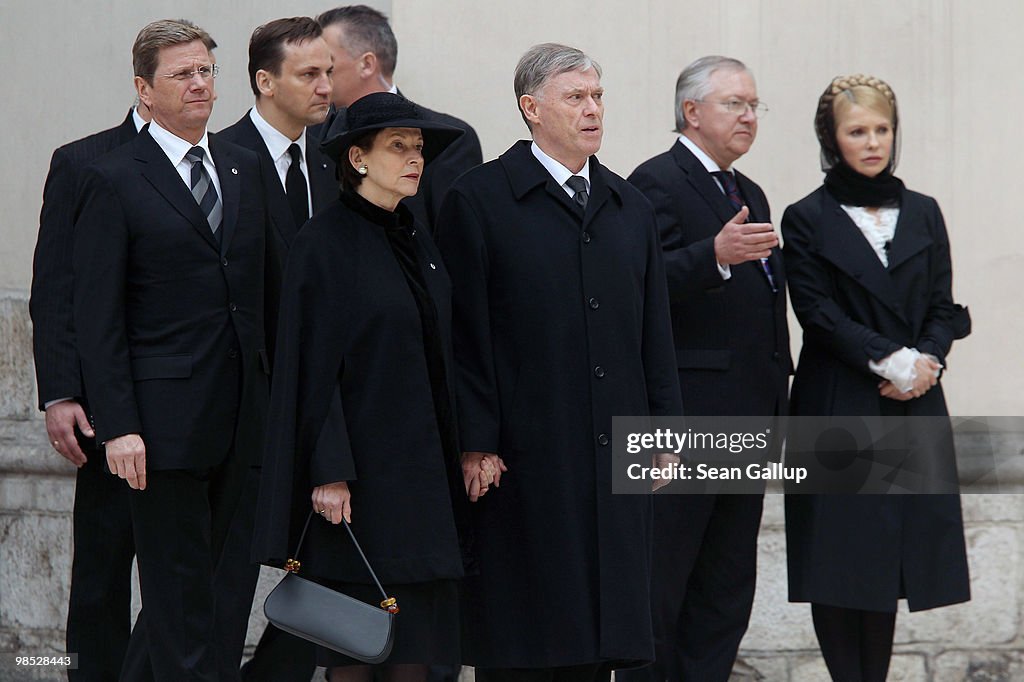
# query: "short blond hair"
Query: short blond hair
{"points": [[160, 34]]}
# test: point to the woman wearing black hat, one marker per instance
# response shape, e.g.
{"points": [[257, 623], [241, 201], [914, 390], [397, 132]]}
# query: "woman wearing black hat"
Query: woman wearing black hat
{"points": [[362, 419], [870, 279]]}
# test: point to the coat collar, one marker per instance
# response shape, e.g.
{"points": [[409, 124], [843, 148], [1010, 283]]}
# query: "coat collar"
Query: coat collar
{"points": [[525, 173], [848, 250]]}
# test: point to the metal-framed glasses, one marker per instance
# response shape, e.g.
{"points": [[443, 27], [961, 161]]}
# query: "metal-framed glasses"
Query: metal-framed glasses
{"points": [[206, 72], [738, 107]]}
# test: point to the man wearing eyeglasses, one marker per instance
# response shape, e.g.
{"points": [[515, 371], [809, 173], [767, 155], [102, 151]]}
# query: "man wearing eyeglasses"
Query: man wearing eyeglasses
{"points": [[168, 263], [727, 290]]}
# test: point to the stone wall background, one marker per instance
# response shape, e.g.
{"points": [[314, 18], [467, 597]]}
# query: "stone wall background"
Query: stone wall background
{"points": [[953, 64], [981, 641]]}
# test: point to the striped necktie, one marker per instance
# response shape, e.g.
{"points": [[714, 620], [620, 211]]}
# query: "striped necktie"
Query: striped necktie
{"points": [[732, 192], [204, 192]]}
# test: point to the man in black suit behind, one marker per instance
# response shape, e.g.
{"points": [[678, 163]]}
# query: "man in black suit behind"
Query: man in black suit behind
{"points": [[290, 75], [727, 288], [365, 55], [168, 261], [99, 607]]}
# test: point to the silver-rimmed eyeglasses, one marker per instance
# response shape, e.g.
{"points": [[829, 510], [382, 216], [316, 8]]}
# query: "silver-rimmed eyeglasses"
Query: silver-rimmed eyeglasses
{"points": [[738, 107], [206, 72]]}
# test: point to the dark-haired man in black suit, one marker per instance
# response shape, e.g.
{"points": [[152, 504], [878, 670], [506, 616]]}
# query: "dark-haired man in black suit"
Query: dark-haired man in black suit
{"points": [[365, 55], [290, 75], [727, 289], [168, 259], [99, 607]]}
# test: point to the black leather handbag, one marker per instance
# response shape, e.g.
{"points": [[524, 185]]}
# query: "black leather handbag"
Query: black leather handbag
{"points": [[329, 618]]}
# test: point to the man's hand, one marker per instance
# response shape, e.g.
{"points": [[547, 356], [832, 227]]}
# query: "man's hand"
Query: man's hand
{"points": [[126, 457], [333, 501], [61, 419], [663, 460], [740, 241], [479, 471], [927, 371]]}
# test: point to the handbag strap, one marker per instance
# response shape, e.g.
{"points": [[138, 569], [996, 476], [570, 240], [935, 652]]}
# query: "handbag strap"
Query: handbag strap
{"points": [[293, 565]]}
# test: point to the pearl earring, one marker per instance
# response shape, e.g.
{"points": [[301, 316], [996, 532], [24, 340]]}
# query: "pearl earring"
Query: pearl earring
{"points": [[362, 169]]}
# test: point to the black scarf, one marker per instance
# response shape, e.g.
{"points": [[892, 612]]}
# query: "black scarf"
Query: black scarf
{"points": [[850, 188]]}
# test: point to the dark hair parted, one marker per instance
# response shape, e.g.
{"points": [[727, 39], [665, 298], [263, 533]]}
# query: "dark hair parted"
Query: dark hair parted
{"points": [[266, 46], [844, 91], [157, 35], [366, 30], [349, 176]]}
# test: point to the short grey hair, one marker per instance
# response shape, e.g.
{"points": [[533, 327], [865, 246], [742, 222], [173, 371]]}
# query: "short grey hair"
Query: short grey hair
{"points": [[366, 30], [695, 81], [544, 61]]}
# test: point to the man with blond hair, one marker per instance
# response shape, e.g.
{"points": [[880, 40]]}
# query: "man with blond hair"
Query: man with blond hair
{"points": [[168, 311]]}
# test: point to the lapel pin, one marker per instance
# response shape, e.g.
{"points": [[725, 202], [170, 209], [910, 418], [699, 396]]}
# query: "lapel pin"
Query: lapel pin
{"points": [[235, 171], [433, 267]]}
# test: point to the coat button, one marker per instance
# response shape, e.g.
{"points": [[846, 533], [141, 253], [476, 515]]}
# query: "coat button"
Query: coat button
{"points": [[594, 305], [599, 372], [224, 262], [775, 355], [602, 439], [586, 237], [233, 353], [232, 307]]}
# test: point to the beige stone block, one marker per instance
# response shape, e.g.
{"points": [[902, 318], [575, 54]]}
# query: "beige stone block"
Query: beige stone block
{"points": [[24, 493], [987, 508], [757, 668], [775, 623], [993, 614], [17, 380], [910, 667], [978, 666], [35, 561], [774, 512]]}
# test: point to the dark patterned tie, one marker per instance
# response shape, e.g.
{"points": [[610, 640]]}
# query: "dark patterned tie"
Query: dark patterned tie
{"points": [[579, 185], [204, 192], [732, 193], [296, 189]]}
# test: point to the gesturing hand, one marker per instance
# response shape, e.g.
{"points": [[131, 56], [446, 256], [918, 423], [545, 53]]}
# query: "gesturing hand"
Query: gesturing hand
{"points": [[739, 241]]}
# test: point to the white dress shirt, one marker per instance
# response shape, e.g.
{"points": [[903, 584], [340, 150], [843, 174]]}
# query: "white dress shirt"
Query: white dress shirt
{"points": [[277, 144], [712, 168], [560, 173], [176, 148]]}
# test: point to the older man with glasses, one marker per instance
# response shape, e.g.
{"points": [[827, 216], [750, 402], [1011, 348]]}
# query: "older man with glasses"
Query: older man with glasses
{"points": [[727, 287]]}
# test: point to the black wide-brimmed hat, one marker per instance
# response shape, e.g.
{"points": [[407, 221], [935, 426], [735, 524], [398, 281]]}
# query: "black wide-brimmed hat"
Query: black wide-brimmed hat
{"points": [[385, 110]]}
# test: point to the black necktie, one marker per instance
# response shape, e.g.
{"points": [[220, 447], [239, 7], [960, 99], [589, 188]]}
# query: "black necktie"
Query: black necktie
{"points": [[296, 189], [203, 190], [732, 192], [578, 185]]}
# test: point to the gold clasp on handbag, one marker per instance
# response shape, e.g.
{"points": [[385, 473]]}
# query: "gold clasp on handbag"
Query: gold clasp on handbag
{"points": [[390, 605], [292, 565]]}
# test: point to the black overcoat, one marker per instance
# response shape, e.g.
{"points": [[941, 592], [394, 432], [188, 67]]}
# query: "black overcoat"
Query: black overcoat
{"points": [[351, 401], [561, 321], [854, 551]]}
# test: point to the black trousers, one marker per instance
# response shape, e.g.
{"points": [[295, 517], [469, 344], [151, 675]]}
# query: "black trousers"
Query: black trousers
{"points": [[593, 672], [280, 656], [702, 585], [99, 607], [192, 529]]}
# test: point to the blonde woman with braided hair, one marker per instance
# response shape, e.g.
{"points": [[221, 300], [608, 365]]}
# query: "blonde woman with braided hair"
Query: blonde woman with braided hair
{"points": [[870, 280]]}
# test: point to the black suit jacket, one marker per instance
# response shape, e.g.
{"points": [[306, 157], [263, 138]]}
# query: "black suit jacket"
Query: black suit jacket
{"points": [[323, 187], [170, 323], [58, 372], [731, 338], [461, 155]]}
